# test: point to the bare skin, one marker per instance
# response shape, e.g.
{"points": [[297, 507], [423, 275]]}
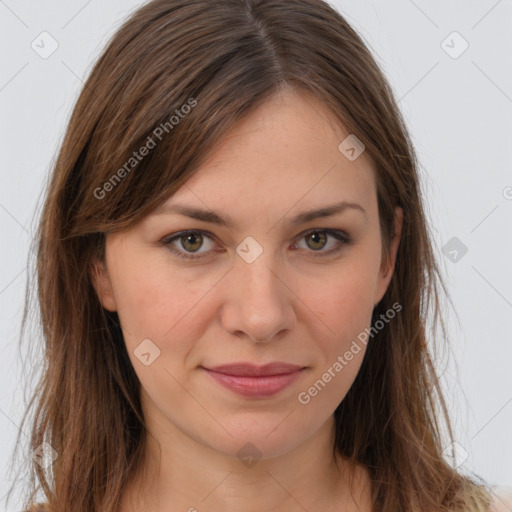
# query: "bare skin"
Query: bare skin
{"points": [[287, 305]]}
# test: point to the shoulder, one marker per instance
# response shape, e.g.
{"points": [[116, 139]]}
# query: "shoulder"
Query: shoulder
{"points": [[502, 502]]}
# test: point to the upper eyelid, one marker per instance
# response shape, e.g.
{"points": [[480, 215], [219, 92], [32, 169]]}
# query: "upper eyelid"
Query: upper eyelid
{"points": [[173, 237], [341, 236]]}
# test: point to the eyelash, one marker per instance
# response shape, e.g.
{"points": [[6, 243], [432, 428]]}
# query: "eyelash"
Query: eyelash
{"points": [[342, 237]]}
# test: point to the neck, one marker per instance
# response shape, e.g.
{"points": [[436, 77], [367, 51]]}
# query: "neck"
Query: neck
{"points": [[181, 474]]}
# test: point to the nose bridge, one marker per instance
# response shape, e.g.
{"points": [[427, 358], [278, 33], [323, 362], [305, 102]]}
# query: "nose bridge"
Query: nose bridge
{"points": [[262, 285], [256, 259], [261, 305]]}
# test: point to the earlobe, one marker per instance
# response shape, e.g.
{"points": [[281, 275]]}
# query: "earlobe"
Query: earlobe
{"points": [[101, 283], [387, 267]]}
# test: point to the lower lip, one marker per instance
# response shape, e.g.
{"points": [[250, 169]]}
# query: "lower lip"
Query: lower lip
{"points": [[256, 387]]}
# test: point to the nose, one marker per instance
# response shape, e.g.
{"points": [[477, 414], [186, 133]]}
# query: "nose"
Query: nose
{"points": [[259, 303]]}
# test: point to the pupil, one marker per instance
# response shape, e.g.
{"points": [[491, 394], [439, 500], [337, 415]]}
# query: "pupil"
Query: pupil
{"points": [[190, 239], [315, 238]]}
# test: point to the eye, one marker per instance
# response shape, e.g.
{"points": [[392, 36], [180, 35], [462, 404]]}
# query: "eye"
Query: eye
{"points": [[189, 241], [319, 237], [186, 244]]}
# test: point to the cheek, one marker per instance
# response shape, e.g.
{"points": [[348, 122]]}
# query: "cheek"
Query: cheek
{"points": [[150, 299], [156, 301], [344, 303], [344, 300]]}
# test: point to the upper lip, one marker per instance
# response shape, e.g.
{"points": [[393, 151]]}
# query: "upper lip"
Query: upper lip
{"points": [[252, 370]]}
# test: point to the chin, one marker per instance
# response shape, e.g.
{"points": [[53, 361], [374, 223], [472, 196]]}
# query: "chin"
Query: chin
{"points": [[255, 437]]}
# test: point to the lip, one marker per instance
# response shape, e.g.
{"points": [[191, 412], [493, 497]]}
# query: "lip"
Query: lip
{"points": [[251, 380]]}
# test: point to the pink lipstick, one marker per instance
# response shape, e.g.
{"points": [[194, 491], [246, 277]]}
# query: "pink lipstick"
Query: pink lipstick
{"points": [[255, 381]]}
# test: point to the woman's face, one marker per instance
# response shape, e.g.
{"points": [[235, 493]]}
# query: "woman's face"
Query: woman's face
{"points": [[261, 289]]}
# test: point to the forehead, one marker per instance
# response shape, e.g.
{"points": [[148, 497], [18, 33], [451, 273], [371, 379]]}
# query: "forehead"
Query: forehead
{"points": [[284, 153]]}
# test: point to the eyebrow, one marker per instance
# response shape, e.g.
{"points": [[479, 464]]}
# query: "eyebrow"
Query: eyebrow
{"points": [[226, 221]]}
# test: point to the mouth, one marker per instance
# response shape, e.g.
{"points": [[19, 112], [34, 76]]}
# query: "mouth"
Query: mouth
{"points": [[254, 381]]}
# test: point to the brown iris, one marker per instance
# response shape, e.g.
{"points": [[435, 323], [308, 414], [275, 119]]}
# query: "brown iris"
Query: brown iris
{"points": [[319, 237]]}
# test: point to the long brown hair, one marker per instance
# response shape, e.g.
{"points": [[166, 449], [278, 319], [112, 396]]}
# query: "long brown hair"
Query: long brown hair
{"points": [[222, 60]]}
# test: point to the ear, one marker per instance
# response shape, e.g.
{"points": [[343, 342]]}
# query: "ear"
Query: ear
{"points": [[387, 267], [102, 285]]}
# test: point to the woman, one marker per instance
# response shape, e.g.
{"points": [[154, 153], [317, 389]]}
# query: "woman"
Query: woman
{"points": [[235, 275]]}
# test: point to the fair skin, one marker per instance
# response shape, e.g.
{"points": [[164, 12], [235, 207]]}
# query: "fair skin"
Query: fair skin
{"points": [[287, 305]]}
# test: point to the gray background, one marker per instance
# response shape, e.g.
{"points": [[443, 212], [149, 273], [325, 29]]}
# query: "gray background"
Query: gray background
{"points": [[459, 111]]}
